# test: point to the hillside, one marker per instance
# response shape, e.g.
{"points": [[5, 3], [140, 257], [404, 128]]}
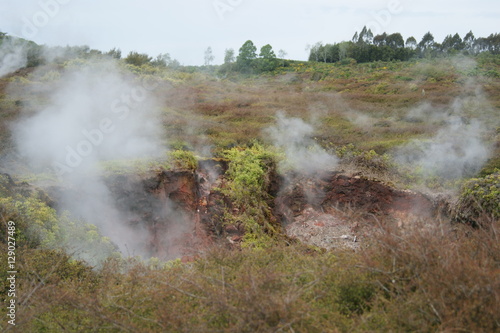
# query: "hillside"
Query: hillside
{"points": [[314, 197]]}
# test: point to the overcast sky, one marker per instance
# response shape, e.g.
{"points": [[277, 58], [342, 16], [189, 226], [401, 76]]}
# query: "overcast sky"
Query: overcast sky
{"points": [[185, 28]]}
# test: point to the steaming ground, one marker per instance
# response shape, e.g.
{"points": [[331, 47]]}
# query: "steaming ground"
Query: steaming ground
{"points": [[456, 151], [94, 113], [302, 153], [13, 56], [459, 148]]}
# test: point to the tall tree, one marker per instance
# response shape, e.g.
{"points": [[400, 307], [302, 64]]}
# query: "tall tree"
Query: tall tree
{"points": [[493, 43], [246, 57], [315, 53], [411, 42], [480, 44], [344, 50], [365, 36], [469, 41], [458, 43], [209, 56], [114, 53], [229, 56], [380, 40], [162, 60], [427, 41], [427, 45], [137, 59], [267, 61], [355, 38], [282, 54], [452, 44], [266, 52], [395, 40]]}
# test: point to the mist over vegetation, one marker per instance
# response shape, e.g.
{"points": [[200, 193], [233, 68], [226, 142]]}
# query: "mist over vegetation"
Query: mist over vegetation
{"points": [[356, 191]]}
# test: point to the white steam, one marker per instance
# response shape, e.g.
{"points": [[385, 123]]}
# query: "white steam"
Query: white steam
{"points": [[302, 153], [94, 113], [13, 56], [457, 150], [426, 113]]}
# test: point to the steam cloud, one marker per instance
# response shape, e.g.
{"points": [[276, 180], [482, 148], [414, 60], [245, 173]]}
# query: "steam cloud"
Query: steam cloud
{"points": [[457, 150], [95, 113], [293, 135], [454, 152], [13, 56]]}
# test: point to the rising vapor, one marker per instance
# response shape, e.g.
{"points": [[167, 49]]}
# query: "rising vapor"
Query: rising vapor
{"points": [[294, 137], [13, 56], [96, 112], [457, 150]]}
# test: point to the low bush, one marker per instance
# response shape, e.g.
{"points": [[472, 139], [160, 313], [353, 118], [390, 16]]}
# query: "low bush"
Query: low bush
{"points": [[183, 160], [479, 202], [365, 160]]}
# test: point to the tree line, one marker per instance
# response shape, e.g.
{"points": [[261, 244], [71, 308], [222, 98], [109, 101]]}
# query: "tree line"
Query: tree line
{"points": [[248, 61], [38, 54], [365, 47]]}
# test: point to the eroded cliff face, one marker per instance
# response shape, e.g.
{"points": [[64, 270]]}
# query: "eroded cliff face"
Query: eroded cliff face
{"points": [[179, 209], [163, 204], [180, 213], [183, 210], [165, 214]]}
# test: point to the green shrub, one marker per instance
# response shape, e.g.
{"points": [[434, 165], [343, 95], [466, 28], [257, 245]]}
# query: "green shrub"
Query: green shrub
{"points": [[354, 297], [247, 189], [479, 201], [183, 159], [40, 226], [368, 160]]}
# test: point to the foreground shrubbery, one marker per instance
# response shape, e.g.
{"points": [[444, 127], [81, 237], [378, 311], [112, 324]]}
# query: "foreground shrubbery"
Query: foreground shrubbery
{"points": [[429, 279]]}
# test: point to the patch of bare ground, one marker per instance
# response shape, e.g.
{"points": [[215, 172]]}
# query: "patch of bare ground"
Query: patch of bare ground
{"points": [[338, 210]]}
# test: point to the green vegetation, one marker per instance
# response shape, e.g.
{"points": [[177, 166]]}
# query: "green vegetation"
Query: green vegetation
{"points": [[183, 160], [369, 161], [248, 190], [40, 226], [178, 159], [364, 47], [137, 59], [246, 57], [479, 202], [365, 98]]}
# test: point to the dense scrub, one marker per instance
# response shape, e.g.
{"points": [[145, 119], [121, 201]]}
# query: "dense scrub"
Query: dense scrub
{"points": [[432, 279]]}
